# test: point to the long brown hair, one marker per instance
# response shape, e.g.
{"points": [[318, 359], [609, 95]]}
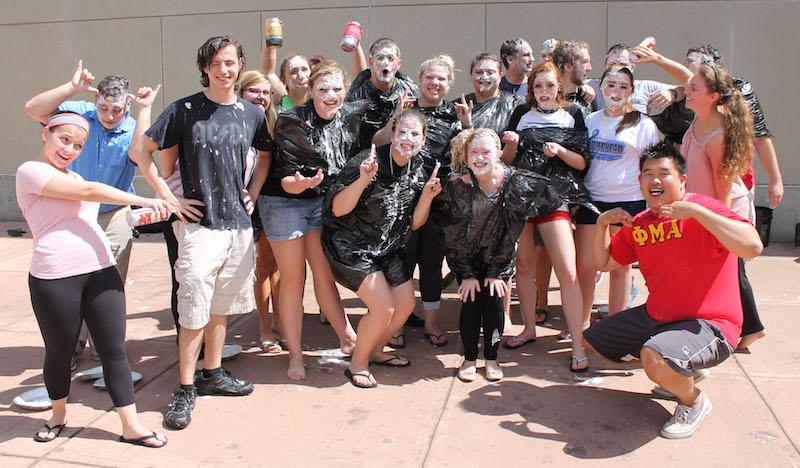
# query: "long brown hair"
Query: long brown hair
{"points": [[254, 77], [545, 67], [631, 116], [736, 119]]}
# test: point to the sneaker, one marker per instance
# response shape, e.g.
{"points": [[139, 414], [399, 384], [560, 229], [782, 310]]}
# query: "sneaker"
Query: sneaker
{"points": [[686, 420], [179, 414], [699, 375], [222, 383]]}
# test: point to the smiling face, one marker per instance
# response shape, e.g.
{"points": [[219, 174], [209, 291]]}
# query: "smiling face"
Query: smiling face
{"points": [[486, 77], [407, 139], [434, 83], [661, 183], [698, 96], [384, 64], [482, 155], [258, 95], [328, 94], [523, 60], [62, 144], [545, 90], [224, 68], [617, 89], [111, 111]]}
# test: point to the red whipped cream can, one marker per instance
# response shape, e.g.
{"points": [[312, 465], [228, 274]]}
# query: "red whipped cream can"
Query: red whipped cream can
{"points": [[352, 35]]}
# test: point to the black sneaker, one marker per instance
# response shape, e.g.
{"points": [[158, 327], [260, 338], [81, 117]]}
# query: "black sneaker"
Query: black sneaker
{"points": [[222, 383], [179, 414]]}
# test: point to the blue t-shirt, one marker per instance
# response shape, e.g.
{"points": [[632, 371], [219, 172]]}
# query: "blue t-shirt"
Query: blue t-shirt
{"points": [[105, 155]]}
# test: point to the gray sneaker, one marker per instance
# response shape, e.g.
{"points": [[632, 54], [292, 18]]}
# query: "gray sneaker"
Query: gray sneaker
{"points": [[686, 420], [699, 375]]}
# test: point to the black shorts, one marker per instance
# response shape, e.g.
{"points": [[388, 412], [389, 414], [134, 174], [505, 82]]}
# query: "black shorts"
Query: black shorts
{"points": [[393, 267], [587, 216], [686, 344]]}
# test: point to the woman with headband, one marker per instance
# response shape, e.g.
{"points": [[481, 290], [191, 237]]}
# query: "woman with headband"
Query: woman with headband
{"points": [[72, 274]]}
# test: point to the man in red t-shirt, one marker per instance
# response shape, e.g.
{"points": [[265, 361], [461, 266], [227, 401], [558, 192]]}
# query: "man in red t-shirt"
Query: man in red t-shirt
{"points": [[687, 247]]}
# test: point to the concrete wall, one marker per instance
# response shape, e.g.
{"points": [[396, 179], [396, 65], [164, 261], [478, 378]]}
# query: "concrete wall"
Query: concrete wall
{"points": [[154, 42]]}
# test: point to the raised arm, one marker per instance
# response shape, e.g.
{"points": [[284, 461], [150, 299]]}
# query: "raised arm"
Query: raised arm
{"points": [[431, 189], [601, 245], [359, 60], [740, 237], [42, 106], [347, 199], [676, 70], [268, 65], [142, 157]]}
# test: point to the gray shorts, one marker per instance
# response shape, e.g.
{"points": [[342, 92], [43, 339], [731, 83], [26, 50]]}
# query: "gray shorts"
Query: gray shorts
{"points": [[686, 344]]}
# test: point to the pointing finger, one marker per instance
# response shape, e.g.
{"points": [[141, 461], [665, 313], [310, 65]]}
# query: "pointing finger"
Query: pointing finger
{"points": [[435, 170]]}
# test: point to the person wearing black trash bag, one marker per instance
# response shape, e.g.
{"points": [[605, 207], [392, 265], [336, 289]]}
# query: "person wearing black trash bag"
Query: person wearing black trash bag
{"points": [[425, 246], [367, 222], [381, 87], [487, 107], [313, 143], [552, 142], [481, 212]]}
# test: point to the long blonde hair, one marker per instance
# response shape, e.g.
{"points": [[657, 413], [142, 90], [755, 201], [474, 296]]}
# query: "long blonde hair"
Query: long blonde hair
{"points": [[459, 145], [736, 119]]}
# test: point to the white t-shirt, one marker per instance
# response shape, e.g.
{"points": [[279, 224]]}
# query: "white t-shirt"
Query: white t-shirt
{"points": [[614, 166], [535, 119]]}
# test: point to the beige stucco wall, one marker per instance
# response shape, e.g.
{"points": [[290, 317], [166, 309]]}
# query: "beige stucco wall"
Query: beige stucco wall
{"points": [[154, 41]]}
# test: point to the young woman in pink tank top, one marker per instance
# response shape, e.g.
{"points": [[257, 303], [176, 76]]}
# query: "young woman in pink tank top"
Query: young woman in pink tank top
{"points": [[718, 151]]}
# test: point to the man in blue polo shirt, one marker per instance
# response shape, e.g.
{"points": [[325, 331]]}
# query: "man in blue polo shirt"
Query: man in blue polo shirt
{"points": [[105, 155]]}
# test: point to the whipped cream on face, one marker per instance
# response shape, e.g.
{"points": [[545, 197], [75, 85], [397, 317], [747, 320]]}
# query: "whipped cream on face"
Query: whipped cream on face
{"points": [[385, 64]]}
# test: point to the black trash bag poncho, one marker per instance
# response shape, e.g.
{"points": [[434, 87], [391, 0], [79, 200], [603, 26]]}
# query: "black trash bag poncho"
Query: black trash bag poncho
{"points": [[481, 231], [566, 181], [380, 224], [306, 142], [379, 106], [443, 126], [494, 113]]}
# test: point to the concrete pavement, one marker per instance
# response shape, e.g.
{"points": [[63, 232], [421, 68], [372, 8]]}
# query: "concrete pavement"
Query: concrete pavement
{"points": [[419, 416]]}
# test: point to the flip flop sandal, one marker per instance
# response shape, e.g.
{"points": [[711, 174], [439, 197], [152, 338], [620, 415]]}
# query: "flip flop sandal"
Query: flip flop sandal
{"points": [[57, 429], [397, 338], [352, 378], [388, 362], [271, 346], [439, 342], [563, 337], [141, 441], [545, 313], [578, 361], [515, 339]]}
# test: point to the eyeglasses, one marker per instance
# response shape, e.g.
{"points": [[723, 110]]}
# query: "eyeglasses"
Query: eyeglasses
{"points": [[265, 92]]}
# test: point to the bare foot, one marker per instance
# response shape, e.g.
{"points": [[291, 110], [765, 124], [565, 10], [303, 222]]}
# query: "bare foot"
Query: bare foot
{"points": [[348, 345], [747, 340], [296, 370], [131, 433]]}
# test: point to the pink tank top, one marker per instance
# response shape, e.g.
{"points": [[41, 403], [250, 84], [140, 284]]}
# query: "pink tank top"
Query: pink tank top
{"points": [[701, 176]]}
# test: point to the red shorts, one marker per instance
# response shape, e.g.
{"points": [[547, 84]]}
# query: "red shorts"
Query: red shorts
{"points": [[550, 217]]}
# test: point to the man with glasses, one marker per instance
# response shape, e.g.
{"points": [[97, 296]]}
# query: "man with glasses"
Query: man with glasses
{"points": [[105, 155]]}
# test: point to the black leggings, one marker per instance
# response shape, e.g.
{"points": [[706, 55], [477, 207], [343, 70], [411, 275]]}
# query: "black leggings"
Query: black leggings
{"points": [[172, 254], [98, 299], [752, 322], [426, 247], [486, 311]]}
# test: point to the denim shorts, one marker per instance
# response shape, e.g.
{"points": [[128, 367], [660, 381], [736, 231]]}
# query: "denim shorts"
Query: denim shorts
{"points": [[289, 218]]}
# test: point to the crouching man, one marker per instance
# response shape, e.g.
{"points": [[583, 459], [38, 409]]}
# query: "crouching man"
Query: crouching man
{"points": [[687, 247]]}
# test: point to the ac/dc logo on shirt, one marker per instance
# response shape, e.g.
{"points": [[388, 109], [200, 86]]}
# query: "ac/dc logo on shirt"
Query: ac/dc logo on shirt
{"points": [[656, 232]]}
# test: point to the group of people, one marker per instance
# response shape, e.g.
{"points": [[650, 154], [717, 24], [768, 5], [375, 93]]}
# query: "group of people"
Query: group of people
{"points": [[539, 168]]}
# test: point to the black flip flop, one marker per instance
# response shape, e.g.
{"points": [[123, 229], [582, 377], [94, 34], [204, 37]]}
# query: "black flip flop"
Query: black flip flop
{"points": [[438, 343], [388, 362], [57, 429], [141, 441], [400, 336], [352, 378]]}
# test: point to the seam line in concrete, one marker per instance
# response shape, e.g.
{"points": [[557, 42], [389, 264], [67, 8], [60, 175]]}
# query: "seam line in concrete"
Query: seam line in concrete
{"points": [[769, 407], [435, 429]]}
